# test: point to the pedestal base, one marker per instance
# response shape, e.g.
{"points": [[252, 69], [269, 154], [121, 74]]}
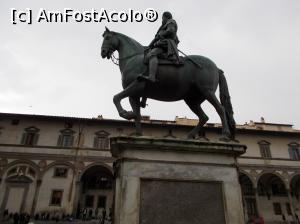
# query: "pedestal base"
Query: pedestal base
{"points": [[167, 181]]}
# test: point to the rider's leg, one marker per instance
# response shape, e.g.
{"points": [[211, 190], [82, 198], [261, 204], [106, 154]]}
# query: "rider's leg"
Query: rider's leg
{"points": [[153, 63]]}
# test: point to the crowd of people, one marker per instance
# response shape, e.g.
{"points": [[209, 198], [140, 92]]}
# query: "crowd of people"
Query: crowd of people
{"points": [[100, 214], [86, 214], [18, 218]]}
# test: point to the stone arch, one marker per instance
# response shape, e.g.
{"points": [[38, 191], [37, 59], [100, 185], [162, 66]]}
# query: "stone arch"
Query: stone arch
{"points": [[295, 185], [95, 164], [94, 188], [19, 187], [271, 172], [248, 195], [251, 178], [293, 176], [271, 183], [30, 163]]}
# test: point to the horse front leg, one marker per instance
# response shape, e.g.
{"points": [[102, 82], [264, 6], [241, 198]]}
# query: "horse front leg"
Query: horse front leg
{"points": [[136, 107], [134, 89]]}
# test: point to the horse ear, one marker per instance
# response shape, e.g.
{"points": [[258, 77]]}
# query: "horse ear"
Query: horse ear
{"points": [[106, 29]]}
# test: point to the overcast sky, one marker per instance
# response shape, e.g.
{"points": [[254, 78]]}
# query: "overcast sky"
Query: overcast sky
{"points": [[56, 68]]}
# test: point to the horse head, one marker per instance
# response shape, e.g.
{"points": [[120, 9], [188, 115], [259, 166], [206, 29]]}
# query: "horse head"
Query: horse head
{"points": [[110, 43]]}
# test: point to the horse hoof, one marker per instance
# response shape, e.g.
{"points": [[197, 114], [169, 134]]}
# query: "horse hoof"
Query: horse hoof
{"points": [[128, 115]]}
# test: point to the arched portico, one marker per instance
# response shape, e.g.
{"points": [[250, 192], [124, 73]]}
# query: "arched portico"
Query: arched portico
{"points": [[95, 189], [18, 190], [295, 195], [273, 198], [248, 193]]}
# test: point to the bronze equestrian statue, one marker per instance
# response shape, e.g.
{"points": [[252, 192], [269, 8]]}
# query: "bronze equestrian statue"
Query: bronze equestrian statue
{"points": [[189, 82]]}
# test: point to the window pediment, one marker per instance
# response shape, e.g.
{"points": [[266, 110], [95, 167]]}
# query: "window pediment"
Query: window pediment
{"points": [[102, 133], [263, 142], [294, 144], [67, 131], [32, 129]]}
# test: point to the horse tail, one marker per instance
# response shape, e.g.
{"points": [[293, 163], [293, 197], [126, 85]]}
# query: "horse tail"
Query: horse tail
{"points": [[226, 103]]}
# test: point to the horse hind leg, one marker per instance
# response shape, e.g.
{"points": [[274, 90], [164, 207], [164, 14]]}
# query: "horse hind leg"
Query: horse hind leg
{"points": [[195, 106], [211, 97]]}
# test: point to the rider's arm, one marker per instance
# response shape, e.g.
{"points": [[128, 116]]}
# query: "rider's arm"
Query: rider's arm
{"points": [[169, 32]]}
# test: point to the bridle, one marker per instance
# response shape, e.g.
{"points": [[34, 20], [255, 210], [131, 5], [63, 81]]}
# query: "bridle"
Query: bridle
{"points": [[113, 58]]}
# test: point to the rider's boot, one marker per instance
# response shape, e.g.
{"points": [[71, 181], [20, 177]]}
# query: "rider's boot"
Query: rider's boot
{"points": [[153, 62], [153, 68]]}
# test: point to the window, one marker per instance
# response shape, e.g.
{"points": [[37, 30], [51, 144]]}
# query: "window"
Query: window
{"points": [[89, 201], [56, 197], [66, 139], [101, 202], [30, 136], [294, 151], [60, 172], [101, 140], [277, 208], [265, 151]]}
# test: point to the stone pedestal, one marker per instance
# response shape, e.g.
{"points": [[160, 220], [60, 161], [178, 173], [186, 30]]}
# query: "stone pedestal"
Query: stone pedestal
{"points": [[170, 181]]}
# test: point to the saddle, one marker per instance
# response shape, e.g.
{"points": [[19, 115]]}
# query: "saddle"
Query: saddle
{"points": [[163, 59]]}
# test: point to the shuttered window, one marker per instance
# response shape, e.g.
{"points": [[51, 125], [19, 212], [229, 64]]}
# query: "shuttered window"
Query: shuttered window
{"points": [[265, 150], [56, 197], [294, 151], [66, 138], [30, 136], [101, 140]]}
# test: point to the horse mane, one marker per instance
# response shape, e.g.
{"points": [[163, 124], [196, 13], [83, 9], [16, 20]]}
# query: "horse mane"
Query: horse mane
{"points": [[131, 42]]}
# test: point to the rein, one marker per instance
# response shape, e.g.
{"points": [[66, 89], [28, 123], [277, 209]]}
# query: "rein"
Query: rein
{"points": [[116, 60], [113, 58]]}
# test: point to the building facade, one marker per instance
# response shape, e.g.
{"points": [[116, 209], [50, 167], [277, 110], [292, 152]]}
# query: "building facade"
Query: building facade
{"points": [[51, 165]]}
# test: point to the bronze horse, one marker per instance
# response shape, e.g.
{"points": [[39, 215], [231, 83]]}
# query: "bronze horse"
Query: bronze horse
{"points": [[189, 82]]}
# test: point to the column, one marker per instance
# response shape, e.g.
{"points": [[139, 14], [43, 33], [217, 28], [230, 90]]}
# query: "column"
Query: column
{"points": [[35, 198], [245, 208], [76, 197], [291, 204], [257, 202]]}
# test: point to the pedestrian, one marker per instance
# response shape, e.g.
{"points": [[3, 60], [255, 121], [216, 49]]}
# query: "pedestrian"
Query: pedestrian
{"points": [[103, 216], [96, 213], [284, 219], [84, 213], [90, 213], [26, 218], [5, 214], [16, 218]]}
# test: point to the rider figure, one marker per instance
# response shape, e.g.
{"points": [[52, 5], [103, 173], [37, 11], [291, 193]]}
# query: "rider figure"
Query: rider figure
{"points": [[164, 45]]}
